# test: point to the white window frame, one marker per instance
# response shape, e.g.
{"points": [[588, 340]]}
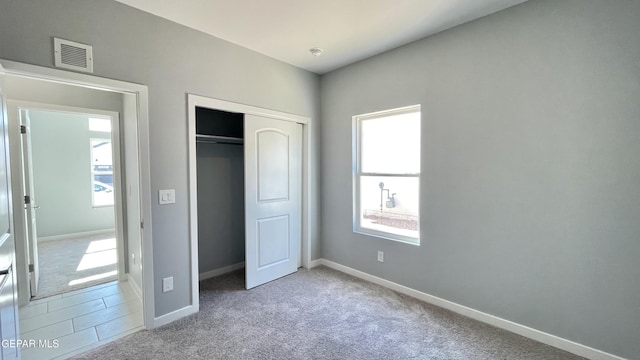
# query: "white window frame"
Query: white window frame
{"points": [[357, 174]]}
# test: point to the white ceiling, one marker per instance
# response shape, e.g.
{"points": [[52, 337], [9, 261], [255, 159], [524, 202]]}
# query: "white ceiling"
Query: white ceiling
{"points": [[347, 30]]}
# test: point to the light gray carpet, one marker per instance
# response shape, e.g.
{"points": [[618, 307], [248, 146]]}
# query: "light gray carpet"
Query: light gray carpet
{"points": [[320, 314], [72, 264]]}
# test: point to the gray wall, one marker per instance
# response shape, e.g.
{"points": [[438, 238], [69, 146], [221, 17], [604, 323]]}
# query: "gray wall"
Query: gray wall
{"points": [[220, 206], [530, 192], [61, 155], [171, 60]]}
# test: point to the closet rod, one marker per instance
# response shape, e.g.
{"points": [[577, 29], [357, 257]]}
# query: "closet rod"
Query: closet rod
{"points": [[218, 142], [214, 139]]}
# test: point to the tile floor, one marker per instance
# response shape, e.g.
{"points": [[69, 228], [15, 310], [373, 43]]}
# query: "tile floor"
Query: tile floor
{"points": [[79, 320]]}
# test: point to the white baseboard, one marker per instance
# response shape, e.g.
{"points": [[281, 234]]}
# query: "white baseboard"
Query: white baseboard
{"points": [[220, 271], [134, 286], [79, 235], [540, 336], [316, 263], [175, 315]]}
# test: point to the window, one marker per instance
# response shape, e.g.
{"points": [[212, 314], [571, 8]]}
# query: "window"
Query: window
{"points": [[101, 162], [100, 124], [387, 174]]}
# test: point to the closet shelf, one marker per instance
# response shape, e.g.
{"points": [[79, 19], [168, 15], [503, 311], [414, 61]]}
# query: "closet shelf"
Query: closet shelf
{"points": [[214, 139]]}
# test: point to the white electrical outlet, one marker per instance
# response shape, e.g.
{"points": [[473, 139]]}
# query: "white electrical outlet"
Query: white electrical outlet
{"points": [[380, 256], [167, 284]]}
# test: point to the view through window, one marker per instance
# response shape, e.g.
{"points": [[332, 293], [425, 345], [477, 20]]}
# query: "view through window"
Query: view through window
{"points": [[387, 181], [101, 162]]}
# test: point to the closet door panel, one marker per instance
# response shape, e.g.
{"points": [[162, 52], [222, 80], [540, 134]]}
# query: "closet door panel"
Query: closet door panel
{"points": [[272, 151], [273, 193]]}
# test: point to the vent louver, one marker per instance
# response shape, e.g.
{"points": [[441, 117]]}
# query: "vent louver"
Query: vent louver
{"points": [[73, 55]]}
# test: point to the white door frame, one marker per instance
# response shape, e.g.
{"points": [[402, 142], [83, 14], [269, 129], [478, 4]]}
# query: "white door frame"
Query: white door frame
{"points": [[141, 93], [14, 107], [211, 103]]}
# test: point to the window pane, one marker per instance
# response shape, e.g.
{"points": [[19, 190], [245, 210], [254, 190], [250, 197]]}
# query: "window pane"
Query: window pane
{"points": [[390, 205], [391, 144], [100, 124], [102, 172]]}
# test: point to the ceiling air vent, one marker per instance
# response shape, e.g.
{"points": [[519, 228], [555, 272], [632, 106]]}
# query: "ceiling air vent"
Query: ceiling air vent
{"points": [[73, 55]]}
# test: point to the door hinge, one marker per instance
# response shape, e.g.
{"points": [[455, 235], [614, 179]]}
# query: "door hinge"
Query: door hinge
{"points": [[141, 224], [27, 200], [23, 129], [31, 268]]}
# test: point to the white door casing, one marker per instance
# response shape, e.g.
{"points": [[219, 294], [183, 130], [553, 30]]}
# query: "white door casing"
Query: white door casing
{"points": [[131, 192], [30, 206], [142, 143], [273, 198], [8, 289]]}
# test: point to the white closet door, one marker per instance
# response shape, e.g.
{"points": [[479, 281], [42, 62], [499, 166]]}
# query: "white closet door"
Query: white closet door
{"points": [[273, 196]]}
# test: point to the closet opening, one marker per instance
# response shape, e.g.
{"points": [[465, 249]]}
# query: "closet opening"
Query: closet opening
{"points": [[220, 196], [248, 192]]}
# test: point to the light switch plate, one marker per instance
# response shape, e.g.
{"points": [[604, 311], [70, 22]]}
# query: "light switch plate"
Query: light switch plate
{"points": [[167, 196]]}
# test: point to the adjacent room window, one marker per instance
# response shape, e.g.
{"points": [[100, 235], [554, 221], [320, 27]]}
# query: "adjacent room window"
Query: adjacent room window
{"points": [[387, 174], [101, 162], [100, 125]]}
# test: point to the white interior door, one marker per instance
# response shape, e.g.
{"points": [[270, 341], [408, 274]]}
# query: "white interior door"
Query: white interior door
{"points": [[30, 206], [273, 195]]}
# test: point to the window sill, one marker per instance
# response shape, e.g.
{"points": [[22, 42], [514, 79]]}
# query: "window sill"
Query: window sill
{"points": [[386, 236], [101, 206]]}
